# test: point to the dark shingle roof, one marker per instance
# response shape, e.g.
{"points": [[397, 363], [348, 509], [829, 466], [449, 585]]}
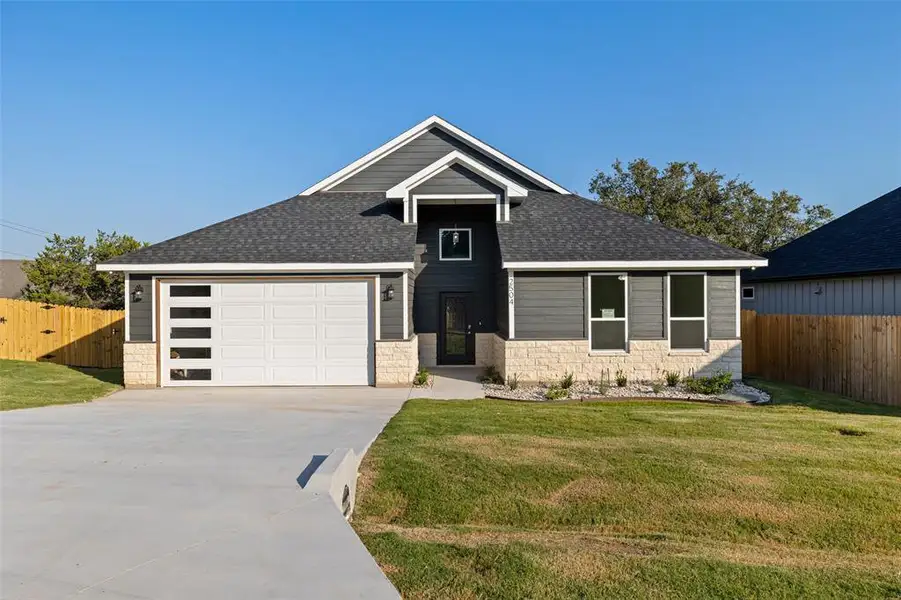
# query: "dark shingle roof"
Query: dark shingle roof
{"points": [[565, 227], [326, 227], [866, 240], [351, 227]]}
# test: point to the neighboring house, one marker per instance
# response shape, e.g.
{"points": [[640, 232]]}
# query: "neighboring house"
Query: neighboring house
{"points": [[850, 266], [433, 249], [12, 278]]}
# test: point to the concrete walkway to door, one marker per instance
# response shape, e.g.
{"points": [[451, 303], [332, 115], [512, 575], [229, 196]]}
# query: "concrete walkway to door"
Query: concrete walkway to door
{"points": [[185, 493], [453, 383]]}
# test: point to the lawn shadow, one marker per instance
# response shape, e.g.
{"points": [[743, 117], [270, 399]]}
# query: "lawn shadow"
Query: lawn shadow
{"points": [[786, 394], [104, 375], [308, 471]]}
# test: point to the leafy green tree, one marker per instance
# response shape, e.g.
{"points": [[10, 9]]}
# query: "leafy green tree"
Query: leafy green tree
{"points": [[64, 272], [707, 204]]}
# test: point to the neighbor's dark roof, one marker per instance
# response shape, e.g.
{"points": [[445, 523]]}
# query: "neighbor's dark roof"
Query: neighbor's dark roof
{"points": [[866, 240], [348, 227], [12, 278], [344, 227], [564, 227]]}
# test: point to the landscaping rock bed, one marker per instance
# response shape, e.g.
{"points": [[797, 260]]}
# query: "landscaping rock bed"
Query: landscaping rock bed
{"points": [[739, 392]]}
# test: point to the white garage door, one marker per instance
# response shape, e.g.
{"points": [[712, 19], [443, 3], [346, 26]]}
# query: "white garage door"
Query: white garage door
{"points": [[282, 333]]}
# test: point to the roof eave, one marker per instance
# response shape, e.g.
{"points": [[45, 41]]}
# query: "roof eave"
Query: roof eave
{"points": [[637, 265], [261, 268]]}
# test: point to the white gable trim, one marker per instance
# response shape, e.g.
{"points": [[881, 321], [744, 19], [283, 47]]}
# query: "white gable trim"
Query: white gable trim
{"points": [[414, 132], [447, 161], [256, 267], [633, 264]]}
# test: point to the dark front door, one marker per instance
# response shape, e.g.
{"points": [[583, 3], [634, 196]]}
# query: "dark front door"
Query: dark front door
{"points": [[456, 341]]}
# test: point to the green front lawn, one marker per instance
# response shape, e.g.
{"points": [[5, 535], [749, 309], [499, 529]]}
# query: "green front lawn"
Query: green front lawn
{"points": [[30, 384], [493, 499]]}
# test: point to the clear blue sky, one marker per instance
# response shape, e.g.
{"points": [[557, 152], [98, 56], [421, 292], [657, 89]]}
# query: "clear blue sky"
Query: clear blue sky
{"points": [[154, 119]]}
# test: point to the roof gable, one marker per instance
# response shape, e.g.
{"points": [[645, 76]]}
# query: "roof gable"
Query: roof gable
{"points": [[455, 158], [866, 240], [418, 147]]}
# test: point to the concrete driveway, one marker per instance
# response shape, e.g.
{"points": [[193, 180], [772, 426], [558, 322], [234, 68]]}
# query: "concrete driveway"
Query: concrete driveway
{"points": [[185, 494]]}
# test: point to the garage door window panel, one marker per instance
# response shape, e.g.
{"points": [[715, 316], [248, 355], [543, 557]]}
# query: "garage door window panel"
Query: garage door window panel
{"points": [[190, 374], [190, 291], [190, 312], [190, 333]]}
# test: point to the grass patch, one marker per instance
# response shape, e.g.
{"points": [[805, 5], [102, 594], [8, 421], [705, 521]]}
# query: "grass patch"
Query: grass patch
{"points": [[493, 499], [30, 384]]}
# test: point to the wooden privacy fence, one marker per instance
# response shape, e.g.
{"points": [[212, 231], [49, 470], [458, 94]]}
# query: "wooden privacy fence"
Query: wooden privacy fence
{"points": [[856, 356], [78, 337]]}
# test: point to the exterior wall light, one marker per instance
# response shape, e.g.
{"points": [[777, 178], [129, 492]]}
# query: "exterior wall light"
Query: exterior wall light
{"points": [[137, 294], [389, 292]]}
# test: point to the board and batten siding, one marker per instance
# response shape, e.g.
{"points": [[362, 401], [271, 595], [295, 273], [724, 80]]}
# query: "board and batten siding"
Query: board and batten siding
{"points": [[415, 155], [476, 276], [392, 311], [456, 180], [140, 314], [721, 308], [549, 306], [502, 302], [864, 295], [647, 295]]}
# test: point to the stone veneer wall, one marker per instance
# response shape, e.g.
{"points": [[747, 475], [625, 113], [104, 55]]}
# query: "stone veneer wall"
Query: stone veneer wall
{"points": [[485, 349], [139, 364], [428, 349], [646, 360], [396, 362]]}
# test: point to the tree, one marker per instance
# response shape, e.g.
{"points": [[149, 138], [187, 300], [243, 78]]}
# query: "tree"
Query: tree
{"points": [[64, 272], [707, 204]]}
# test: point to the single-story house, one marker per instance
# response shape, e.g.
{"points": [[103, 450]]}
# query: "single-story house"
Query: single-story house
{"points": [[433, 249], [850, 266]]}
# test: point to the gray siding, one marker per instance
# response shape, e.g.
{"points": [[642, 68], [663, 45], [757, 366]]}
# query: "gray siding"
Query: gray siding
{"points": [[866, 295], [456, 180], [647, 296], [502, 299], [721, 313], [140, 314], [549, 306], [476, 276], [392, 311], [411, 292], [414, 156]]}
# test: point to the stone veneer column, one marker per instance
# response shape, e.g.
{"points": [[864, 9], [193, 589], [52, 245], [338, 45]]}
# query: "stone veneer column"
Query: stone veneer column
{"points": [[485, 349], [647, 360], [396, 362], [139, 364], [428, 349]]}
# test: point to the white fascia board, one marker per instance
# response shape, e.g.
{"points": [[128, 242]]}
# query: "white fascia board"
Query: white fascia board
{"points": [[634, 264], [258, 267], [445, 162], [414, 132]]}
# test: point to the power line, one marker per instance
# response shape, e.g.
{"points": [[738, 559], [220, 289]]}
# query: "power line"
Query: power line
{"points": [[20, 230], [14, 253], [7, 221]]}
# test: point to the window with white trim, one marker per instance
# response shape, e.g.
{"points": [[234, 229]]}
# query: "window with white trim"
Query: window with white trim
{"points": [[608, 300], [688, 311], [455, 244], [747, 293]]}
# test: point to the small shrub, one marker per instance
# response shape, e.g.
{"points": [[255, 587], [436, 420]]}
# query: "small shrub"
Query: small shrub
{"points": [[717, 383], [656, 387], [491, 376], [513, 381], [602, 387], [567, 381], [422, 376], [556, 393], [672, 378], [621, 379]]}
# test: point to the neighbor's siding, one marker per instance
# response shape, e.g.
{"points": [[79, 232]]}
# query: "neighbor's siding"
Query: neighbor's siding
{"points": [[140, 314], [647, 295], [866, 295], [392, 311], [721, 308], [414, 156], [476, 276], [456, 180], [549, 306]]}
